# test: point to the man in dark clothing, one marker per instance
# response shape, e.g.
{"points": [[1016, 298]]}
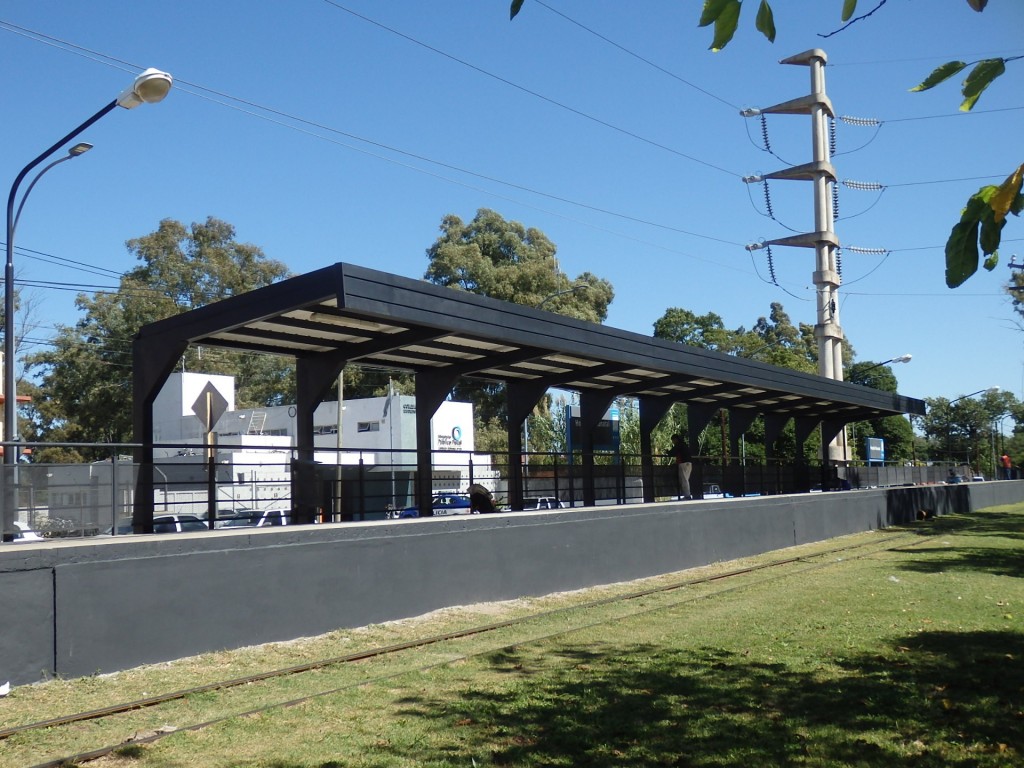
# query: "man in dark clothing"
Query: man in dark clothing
{"points": [[684, 464], [480, 499]]}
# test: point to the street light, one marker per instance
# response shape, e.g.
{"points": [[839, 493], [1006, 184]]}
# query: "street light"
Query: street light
{"points": [[898, 359], [150, 87], [989, 391], [556, 294], [949, 418]]}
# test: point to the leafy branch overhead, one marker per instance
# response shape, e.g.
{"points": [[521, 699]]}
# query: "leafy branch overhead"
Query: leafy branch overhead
{"points": [[981, 225]]}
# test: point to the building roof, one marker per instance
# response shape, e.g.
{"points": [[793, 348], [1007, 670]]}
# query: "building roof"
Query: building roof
{"points": [[378, 319]]}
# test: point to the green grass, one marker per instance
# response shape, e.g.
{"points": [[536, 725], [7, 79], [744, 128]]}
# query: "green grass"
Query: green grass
{"points": [[909, 657]]}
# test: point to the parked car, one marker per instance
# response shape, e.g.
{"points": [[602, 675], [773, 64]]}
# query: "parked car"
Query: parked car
{"points": [[224, 516], [25, 535], [542, 502], [443, 504], [259, 518], [163, 524], [713, 491]]}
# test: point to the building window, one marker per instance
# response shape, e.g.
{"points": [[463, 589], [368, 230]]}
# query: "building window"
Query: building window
{"points": [[369, 426]]}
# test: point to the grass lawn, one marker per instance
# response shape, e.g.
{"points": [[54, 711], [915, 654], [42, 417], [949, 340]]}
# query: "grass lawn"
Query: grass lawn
{"points": [[908, 656]]}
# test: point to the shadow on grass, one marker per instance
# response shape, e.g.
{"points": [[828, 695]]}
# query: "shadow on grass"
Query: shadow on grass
{"points": [[995, 556], [937, 699], [1007, 524]]}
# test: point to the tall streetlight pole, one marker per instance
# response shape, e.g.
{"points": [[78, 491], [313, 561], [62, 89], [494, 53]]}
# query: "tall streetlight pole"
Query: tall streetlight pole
{"points": [[149, 87], [949, 422]]}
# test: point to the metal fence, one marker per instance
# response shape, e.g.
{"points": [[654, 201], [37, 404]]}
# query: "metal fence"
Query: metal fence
{"points": [[97, 498]]}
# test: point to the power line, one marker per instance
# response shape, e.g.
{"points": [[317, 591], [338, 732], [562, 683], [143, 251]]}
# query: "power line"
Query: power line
{"points": [[950, 57], [128, 66], [952, 114], [535, 94], [179, 83], [637, 56], [102, 58]]}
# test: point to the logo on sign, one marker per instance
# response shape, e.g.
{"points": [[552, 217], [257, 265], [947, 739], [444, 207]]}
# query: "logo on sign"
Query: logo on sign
{"points": [[452, 442]]}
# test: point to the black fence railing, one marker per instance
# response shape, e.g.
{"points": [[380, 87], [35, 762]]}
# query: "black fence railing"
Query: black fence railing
{"points": [[256, 486]]}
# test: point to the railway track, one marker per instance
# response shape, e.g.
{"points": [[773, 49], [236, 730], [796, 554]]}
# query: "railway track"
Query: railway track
{"points": [[733, 580]]}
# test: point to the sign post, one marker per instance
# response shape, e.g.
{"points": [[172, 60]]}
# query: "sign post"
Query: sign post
{"points": [[209, 407]]}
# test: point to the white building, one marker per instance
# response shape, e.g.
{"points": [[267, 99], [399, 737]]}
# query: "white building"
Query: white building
{"points": [[376, 434]]}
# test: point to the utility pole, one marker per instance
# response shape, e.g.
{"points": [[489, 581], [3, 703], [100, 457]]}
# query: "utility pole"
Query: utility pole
{"points": [[823, 239]]}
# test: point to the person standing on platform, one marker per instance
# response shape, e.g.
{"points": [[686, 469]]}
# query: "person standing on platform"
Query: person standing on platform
{"points": [[684, 464]]}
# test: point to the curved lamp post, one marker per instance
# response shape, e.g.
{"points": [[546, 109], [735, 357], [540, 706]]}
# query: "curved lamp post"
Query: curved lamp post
{"points": [[986, 391], [898, 359], [149, 87], [556, 294], [949, 421]]}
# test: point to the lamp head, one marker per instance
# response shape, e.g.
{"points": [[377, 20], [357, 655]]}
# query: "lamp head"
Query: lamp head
{"points": [[149, 87], [902, 359], [79, 149]]}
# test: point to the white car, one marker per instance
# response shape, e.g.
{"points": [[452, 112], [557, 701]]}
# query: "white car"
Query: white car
{"points": [[163, 524], [25, 535], [256, 518], [542, 502]]}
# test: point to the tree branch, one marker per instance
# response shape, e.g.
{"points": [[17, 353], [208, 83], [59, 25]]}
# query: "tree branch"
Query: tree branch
{"points": [[855, 20]]}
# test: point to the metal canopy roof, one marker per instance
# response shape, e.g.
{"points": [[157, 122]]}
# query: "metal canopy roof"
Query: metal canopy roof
{"points": [[377, 319]]}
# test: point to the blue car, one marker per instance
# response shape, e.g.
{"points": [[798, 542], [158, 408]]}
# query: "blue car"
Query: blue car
{"points": [[443, 504]]}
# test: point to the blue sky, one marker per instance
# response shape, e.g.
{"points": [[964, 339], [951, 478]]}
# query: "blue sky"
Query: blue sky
{"points": [[345, 131]]}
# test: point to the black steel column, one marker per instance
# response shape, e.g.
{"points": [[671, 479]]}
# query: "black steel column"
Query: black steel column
{"points": [[152, 362], [592, 409], [522, 397], [432, 387], [314, 377], [652, 411]]}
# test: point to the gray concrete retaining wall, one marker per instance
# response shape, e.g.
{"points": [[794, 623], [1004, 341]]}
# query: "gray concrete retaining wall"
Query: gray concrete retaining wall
{"points": [[73, 608]]}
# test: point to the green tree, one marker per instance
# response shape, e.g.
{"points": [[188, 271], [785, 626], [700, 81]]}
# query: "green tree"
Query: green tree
{"points": [[964, 430], [773, 339], [84, 391], [506, 260], [705, 331]]}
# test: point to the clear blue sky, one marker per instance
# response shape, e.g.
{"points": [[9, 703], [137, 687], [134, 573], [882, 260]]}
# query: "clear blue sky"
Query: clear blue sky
{"points": [[345, 131]]}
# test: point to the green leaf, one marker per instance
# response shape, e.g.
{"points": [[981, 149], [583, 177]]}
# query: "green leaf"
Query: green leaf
{"points": [[849, 6], [517, 6], [991, 262], [725, 24], [977, 204], [711, 11], [991, 233], [765, 21], [961, 253], [979, 79], [940, 74]]}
